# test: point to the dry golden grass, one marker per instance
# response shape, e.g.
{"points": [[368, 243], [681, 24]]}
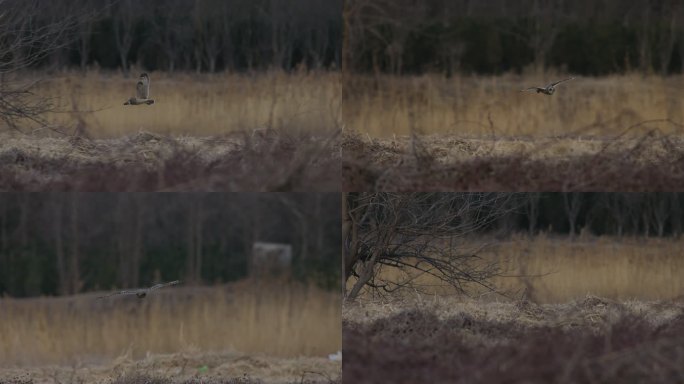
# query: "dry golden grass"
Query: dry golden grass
{"points": [[493, 106], [557, 270], [275, 320], [621, 269], [196, 105]]}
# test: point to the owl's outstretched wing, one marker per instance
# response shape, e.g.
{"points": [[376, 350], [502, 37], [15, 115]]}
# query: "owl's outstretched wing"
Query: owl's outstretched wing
{"points": [[530, 89], [560, 81], [164, 285], [120, 293]]}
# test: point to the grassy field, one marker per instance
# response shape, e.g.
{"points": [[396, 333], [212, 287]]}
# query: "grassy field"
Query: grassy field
{"points": [[486, 107], [588, 310], [618, 133], [267, 131], [559, 269], [197, 105], [241, 319]]}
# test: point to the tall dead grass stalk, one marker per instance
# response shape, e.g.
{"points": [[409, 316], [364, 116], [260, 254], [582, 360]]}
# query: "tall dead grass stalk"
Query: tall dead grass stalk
{"points": [[272, 320], [190, 104]]}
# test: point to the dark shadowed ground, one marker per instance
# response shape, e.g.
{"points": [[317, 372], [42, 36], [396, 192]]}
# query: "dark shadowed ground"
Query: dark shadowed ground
{"points": [[592, 340]]}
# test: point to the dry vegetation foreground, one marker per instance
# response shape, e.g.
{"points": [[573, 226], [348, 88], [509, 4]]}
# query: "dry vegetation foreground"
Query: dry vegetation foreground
{"points": [[273, 333], [186, 367], [591, 340], [262, 160], [650, 162]]}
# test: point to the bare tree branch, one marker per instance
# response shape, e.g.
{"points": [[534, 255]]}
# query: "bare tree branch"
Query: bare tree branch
{"points": [[418, 234]]}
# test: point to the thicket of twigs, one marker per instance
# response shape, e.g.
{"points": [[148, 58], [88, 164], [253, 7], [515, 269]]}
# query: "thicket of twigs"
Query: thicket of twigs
{"points": [[653, 162], [256, 161], [596, 341]]}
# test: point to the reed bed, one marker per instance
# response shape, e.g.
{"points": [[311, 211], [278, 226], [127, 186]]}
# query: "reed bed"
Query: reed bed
{"points": [[274, 320], [191, 104], [493, 106]]}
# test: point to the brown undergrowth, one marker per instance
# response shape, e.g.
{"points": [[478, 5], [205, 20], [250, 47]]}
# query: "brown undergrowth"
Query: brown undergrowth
{"points": [[182, 368], [261, 160], [649, 162], [446, 340]]}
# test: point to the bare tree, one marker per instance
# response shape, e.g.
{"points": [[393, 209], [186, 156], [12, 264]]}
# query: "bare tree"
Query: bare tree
{"points": [[539, 30], [417, 234], [644, 35], [676, 213], [532, 211], [130, 220], [365, 24], [616, 204], [74, 266], [661, 211], [125, 20], [59, 244], [572, 202], [208, 18], [673, 11], [280, 18], [91, 12], [28, 34], [195, 233], [171, 30]]}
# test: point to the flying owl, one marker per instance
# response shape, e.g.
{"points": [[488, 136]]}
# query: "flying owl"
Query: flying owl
{"points": [[547, 90], [142, 92], [140, 292]]}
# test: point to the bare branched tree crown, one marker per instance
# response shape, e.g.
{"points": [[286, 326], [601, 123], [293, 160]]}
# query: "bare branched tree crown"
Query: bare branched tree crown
{"points": [[30, 32], [409, 232]]}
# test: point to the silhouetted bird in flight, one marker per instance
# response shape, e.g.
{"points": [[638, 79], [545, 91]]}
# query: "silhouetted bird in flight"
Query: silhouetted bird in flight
{"points": [[140, 292], [142, 92], [548, 90]]}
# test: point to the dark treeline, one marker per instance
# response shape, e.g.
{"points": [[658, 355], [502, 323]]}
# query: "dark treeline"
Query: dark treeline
{"points": [[68, 243], [590, 37], [615, 214], [197, 35]]}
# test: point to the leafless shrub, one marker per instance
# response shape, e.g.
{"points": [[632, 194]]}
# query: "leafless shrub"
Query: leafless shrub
{"points": [[146, 162], [417, 234], [652, 162], [30, 31]]}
